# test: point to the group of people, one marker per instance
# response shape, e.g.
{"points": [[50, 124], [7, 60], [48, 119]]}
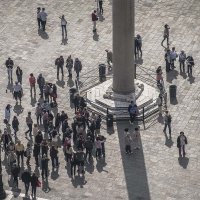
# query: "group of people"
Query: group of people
{"points": [[70, 64], [48, 132]]}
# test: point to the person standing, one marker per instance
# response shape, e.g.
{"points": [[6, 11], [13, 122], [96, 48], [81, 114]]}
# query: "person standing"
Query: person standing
{"points": [[168, 60], [28, 154], [38, 113], [8, 112], [29, 123], [166, 34], [101, 6], [182, 59], [44, 165], [63, 25], [59, 62], [41, 83], [136, 138], [181, 142], [36, 152], [159, 102], [38, 17], [9, 64], [26, 178], [43, 16], [139, 44], [94, 20], [88, 146], [15, 125], [17, 92], [77, 67], [128, 141], [69, 65], [109, 58], [190, 64], [167, 122], [19, 74], [15, 170], [54, 156], [34, 184], [19, 148], [173, 56], [32, 82]]}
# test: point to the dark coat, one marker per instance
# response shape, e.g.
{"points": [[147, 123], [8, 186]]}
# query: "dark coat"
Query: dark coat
{"points": [[179, 141], [26, 177], [34, 180]]}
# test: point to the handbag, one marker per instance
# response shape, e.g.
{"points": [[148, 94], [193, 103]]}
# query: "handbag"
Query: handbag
{"points": [[38, 184]]}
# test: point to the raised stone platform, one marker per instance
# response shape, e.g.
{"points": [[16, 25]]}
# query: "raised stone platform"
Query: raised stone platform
{"points": [[101, 97]]}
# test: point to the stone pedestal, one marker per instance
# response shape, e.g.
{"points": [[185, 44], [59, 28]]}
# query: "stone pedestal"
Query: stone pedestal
{"points": [[123, 46]]}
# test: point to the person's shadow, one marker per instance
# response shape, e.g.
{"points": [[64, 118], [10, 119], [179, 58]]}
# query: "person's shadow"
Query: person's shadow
{"points": [[64, 40], [183, 161], [61, 82], [78, 180], [43, 34], [101, 17], [45, 186], [70, 82], [95, 36], [89, 166], [33, 100], [183, 74], [171, 75], [139, 60], [168, 141], [18, 109], [100, 165], [54, 174], [10, 86], [191, 78]]}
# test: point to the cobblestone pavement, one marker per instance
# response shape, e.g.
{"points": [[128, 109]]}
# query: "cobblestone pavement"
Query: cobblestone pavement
{"points": [[154, 172]]}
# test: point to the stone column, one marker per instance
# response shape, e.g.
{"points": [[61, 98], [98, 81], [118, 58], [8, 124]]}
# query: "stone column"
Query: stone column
{"points": [[123, 46]]}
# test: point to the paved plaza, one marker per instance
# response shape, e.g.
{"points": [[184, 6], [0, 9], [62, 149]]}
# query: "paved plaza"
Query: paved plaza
{"points": [[154, 172]]}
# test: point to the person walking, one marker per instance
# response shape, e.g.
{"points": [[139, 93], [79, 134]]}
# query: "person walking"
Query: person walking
{"points": [[38, 17], [182, 59], [88, 146], [167, 122], [44, 165], [77, 67], [19, 148], [41, 84], [32, 82], [19, 74], [15, 170], [139, 45], [9, 65], [8, 112], [63, 25], [69, 65], [190, 64], [26, 178], [34, 184], [29, 123], [28, 153], [136, 138], [36, 152], [43, 16], [101, 6], [166, 34], [59, 62], [17, 92], [94, 20], [15, 125], [173, 56], [109, 58], [181, 142]]}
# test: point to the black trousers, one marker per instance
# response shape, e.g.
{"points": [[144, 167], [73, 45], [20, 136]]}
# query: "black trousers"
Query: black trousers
{"points": [[58, 70], [39, 22], [43, 25], [34, 191]]}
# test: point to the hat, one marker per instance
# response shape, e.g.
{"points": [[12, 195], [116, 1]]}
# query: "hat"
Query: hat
{"points": [[40, 75]]}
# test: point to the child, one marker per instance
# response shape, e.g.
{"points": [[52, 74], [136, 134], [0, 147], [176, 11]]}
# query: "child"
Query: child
{"points": [[137, 138], [128, 141]]}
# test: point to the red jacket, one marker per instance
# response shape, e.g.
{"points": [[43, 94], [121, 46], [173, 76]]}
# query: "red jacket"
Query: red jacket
{"points": [[94, 17], [32, 80]]}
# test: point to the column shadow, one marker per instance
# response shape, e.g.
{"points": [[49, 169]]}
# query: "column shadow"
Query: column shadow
{"points": [[134, 167]]}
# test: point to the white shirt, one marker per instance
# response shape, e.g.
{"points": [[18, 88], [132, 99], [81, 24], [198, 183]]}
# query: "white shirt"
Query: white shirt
{"points": [[43, 16], [17, 88]]}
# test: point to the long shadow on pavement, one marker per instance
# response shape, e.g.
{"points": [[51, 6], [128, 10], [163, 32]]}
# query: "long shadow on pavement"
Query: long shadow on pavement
{"points": [[134, 167]]}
